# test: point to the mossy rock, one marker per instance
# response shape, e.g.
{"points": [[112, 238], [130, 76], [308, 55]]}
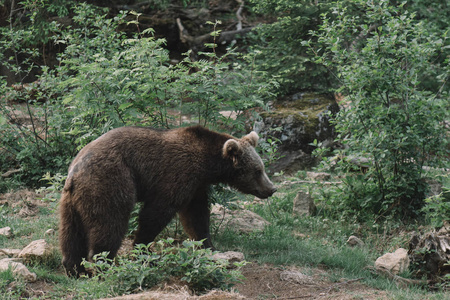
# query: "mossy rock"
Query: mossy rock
{"points": [[302, 118]]}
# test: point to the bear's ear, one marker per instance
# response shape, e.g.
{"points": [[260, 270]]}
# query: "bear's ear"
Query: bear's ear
{"points": [[252, 138], [232, 150]]}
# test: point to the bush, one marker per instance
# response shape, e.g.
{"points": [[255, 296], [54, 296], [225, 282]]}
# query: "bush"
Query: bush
{"points": [[106, 80], [278, 46], [146, 267], [389, 118]]}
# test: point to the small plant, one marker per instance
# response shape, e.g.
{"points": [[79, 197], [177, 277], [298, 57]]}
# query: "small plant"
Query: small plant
{"points": [[148, 265], [52, 192], [269, 147]]}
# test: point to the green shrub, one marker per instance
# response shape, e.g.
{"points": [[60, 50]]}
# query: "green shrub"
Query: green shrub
{"points": [[106, 80], [278, 45], [389, 118], [146, 266]]}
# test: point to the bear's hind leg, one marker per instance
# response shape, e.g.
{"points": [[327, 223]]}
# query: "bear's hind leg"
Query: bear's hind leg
{"points": [[195, 219], [72, 238]]}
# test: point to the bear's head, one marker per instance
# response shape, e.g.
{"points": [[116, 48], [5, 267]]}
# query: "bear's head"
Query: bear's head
{"points": [[248, 169]]}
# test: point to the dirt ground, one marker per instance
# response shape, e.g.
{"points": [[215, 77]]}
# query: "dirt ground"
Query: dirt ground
{"points": [[269, 282], [274, 282]]}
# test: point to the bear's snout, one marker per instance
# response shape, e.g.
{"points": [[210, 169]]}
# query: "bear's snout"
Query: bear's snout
{"points": [[273, 191], [266, 193]]}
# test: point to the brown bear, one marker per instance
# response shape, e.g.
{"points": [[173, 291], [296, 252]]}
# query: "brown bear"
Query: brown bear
{"points": [[169, 171]]}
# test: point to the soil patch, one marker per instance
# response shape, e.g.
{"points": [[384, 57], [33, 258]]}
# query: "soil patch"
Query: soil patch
{"points": [[268, 282]]}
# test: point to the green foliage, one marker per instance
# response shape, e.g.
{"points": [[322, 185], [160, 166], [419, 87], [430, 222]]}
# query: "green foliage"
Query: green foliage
{"points": [[38, 13], [437, 208], [52, 192], [132, 82], [146, 267], [282, 52], [33, 139], [390, 118], [105, 80], [279, 49], [24, 43], [269, 149]]}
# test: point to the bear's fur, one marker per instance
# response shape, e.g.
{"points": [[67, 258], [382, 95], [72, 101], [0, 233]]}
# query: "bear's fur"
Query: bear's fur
{"points": [[169, 171]]}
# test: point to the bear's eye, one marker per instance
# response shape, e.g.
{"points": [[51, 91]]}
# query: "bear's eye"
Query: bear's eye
{"points": [[258, 172]]}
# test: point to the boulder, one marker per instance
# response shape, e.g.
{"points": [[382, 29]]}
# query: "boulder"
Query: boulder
{"points": [[36, 250], [396, 262], [6, 231], [303, 204], [434, 187], [297, 121], [17, 268], [240, 220]]}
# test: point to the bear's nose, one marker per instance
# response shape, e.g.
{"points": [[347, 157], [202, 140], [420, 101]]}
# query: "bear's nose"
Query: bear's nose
{"points": [[273, 191]]}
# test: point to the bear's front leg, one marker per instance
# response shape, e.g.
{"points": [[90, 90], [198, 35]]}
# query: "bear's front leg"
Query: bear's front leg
{"points": [[195, 218], [152, 220]]}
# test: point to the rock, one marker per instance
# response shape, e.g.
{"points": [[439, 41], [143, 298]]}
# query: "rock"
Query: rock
{"points": [[6, 231], [302, 118], [296, 276], [241, 220], [445, 229], [230, 256], [36, 250], [231, 114], [50, 232], [17, 269], [303, 204], [10, 252], [362, 162], [354, 241], [220, 295], [28, 211], [396, 262], [318, 175]]}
